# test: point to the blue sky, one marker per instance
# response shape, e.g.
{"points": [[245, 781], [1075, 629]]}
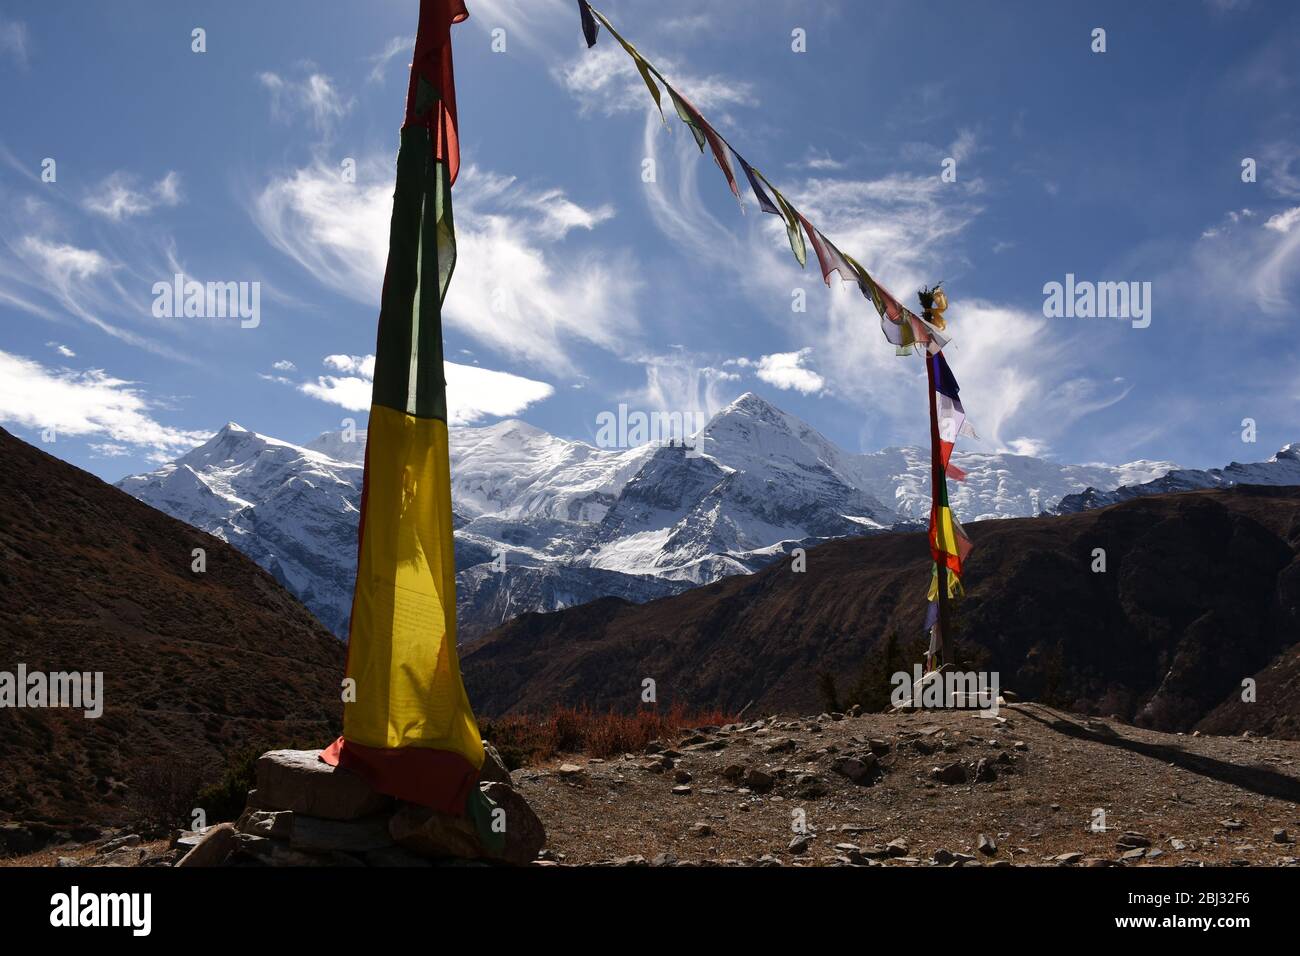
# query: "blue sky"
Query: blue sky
{"points": [[579, 286]]}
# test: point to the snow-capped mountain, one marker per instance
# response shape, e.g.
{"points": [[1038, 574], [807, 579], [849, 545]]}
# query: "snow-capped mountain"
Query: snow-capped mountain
{"points": [[543, 522], [1282, 469]]}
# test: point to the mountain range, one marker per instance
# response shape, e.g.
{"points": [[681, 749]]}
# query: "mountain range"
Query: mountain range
{"points": [[1197, 593], [544, 523]]}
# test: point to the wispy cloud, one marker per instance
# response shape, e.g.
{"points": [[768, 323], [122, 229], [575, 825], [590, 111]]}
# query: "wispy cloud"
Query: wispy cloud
{"points": [[473, 393], [395, 47], [86, 403], [117, 197], [513, 290], [313, 95], [604, 80], [14, 41], [61, 349]]}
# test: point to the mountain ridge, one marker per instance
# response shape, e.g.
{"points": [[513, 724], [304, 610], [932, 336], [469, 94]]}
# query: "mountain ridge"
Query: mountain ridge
{"points": [[559, 521]]}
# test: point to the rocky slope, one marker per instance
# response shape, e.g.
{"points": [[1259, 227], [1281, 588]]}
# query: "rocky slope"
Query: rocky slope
{"points": [[1200, 591], [195, 666]]}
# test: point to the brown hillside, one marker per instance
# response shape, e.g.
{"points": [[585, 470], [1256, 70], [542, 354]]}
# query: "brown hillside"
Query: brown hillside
{"points": [[1201, 590], [195, 665]]}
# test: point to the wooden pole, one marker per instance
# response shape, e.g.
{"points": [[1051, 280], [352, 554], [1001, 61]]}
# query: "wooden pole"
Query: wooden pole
{"points": [[937, 479]]}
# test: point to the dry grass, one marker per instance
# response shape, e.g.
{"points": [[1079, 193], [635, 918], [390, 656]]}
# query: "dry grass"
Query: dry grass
{"points": [[529, 739]]}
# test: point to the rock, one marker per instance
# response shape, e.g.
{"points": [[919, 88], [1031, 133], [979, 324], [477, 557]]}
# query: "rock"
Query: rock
{"points": [[950, 774], [986, 845], [1177, 844], [896, 847], [943, 857], [879, 746], [1233, 824], [217, 844], [984, 772], [664, 859], [705, 746], [810, 786], [784, 745], [800, 844], [682, 776], [682, 791], [855, 710], [757, 780], [315, 835], [733, 772], [767, 859], [439, 835], [131, 839], [1130, 841], [299, 780], [571, 772], [1281, 836], [637, 860], [282, 855], [251, 845], [1135, 854], [701, 830], [494, 768], [656, 765], [862, 769], [1069, 858], [1020, 745], [266, 823]]}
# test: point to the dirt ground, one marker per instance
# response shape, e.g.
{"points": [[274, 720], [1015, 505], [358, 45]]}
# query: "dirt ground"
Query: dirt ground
{"points": [[1061, 784]]}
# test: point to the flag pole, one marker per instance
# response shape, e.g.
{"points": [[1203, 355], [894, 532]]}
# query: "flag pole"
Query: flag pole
{"points": [[938, 481]]}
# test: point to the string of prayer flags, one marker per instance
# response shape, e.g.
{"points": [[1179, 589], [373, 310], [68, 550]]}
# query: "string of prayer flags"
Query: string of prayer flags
{"points": [[906, 330], [643, 67]]}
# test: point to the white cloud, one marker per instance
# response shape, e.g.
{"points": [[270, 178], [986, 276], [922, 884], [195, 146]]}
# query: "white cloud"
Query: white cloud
{"points": [[14, 41], [604, 79], [314, 95], [820, 160], [540, 25], [1284, 221], [510, 291], [1242, 260], [84, 404], [395, 46], [61, 349], [118, 198], [473, 393], [787, 371]]}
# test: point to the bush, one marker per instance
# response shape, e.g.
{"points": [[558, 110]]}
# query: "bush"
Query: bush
{"points": [[525, 739]]}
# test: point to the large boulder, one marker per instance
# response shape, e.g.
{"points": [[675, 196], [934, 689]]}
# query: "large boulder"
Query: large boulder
{"points": [[300, 781], [213, 848], [439, 836], [494, 768], [315, 835]]}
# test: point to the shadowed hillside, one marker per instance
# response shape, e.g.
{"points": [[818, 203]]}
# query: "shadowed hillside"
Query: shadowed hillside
{"points": [[1200, 591], [195, 665]]}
